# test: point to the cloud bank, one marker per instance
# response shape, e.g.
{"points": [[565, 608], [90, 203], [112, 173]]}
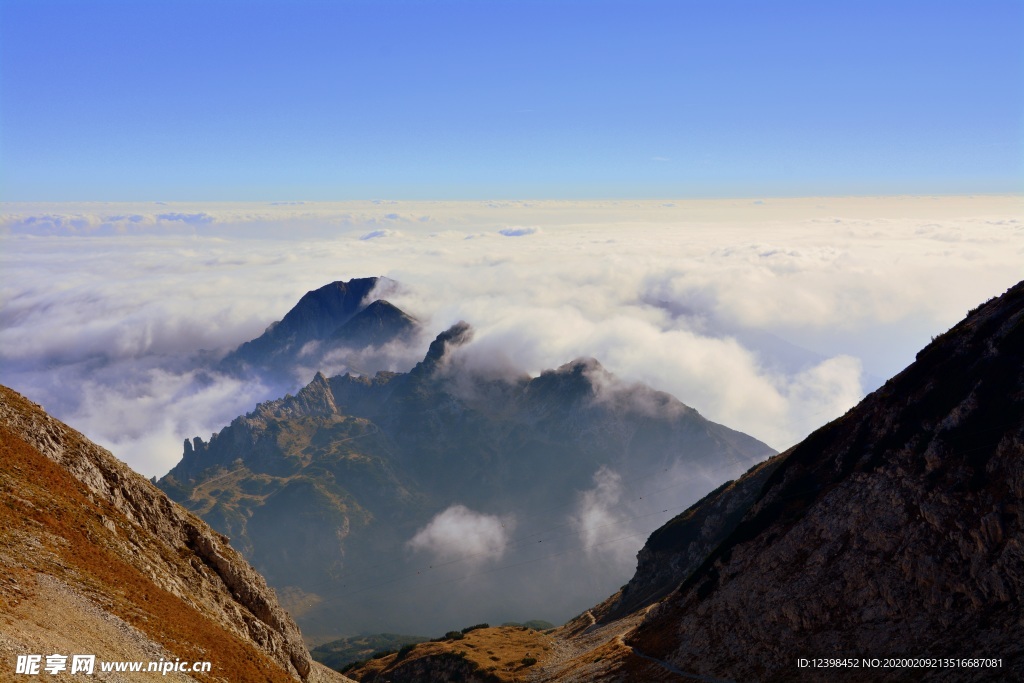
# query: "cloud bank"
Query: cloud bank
{"points": [[770, 317]]}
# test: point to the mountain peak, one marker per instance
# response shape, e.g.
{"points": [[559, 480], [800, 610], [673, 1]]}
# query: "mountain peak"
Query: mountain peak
{"points": [[338, 314], [315, 398], [457, 335], [570, 382], [581, 366], [321, 311]]}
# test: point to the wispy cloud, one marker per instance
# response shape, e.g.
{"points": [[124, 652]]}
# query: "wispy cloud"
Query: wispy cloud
{"points": [[458, 533], [518, 232], [596, 519], [377, 234]]}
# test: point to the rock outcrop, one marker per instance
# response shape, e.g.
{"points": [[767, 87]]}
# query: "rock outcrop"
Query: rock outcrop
{"points": [[111, 542]]}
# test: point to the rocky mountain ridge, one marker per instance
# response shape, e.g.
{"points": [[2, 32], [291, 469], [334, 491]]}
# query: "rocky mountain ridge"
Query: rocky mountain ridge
{"points": [[360, 464]]}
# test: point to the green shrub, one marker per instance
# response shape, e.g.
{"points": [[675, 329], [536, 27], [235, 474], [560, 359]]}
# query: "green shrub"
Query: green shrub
{"points": [[538, 624], [353, 665]]}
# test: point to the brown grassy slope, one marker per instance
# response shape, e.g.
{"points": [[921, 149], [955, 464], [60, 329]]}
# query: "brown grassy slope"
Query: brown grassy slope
{"points": [[78, 527], [487, 655], [48, 526]]}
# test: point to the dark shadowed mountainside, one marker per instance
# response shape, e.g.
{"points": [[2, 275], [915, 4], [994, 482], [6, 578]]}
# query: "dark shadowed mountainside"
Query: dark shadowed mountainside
{"points": [[338, 315], [378, 323], [95, 559], [323, 491], [894, 531]]}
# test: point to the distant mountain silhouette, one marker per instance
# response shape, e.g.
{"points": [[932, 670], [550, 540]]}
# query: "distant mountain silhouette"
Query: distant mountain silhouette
{"points": [[337, 315], [896, 530], [318, 488]]}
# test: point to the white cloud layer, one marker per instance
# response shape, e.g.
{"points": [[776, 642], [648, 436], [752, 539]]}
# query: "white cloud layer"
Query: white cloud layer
{"points": [[770, 317]]}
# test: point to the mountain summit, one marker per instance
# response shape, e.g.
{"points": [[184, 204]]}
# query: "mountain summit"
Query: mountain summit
{"points": [[338, 315], [896, 530]]}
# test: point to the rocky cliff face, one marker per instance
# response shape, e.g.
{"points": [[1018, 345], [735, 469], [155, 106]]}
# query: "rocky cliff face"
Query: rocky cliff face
{"points": [[894, 531], [83, 530]]}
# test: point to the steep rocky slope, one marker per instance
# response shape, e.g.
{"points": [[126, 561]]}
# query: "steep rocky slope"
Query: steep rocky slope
{"points": [[95, 559], [323, 488], [894, 531]]}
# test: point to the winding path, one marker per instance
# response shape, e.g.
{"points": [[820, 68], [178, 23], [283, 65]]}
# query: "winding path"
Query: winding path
{"points": [[564, 651]]}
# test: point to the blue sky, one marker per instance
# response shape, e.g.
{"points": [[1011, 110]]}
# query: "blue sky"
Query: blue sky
{"points": [[119, 101]]}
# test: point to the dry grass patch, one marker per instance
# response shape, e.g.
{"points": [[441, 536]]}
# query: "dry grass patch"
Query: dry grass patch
{"points": [[58, 528], [497, 655]]}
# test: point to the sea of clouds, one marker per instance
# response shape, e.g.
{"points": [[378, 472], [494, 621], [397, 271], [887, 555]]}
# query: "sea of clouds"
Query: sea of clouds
{"points": [[771, 317]]}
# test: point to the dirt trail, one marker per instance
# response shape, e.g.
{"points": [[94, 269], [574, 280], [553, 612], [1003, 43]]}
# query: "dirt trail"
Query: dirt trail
{"points": [[573, 659], [565, 650]]}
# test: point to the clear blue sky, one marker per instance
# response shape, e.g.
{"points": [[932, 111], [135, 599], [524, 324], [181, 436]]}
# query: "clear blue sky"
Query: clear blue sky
{"points": [[485, 98]]}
